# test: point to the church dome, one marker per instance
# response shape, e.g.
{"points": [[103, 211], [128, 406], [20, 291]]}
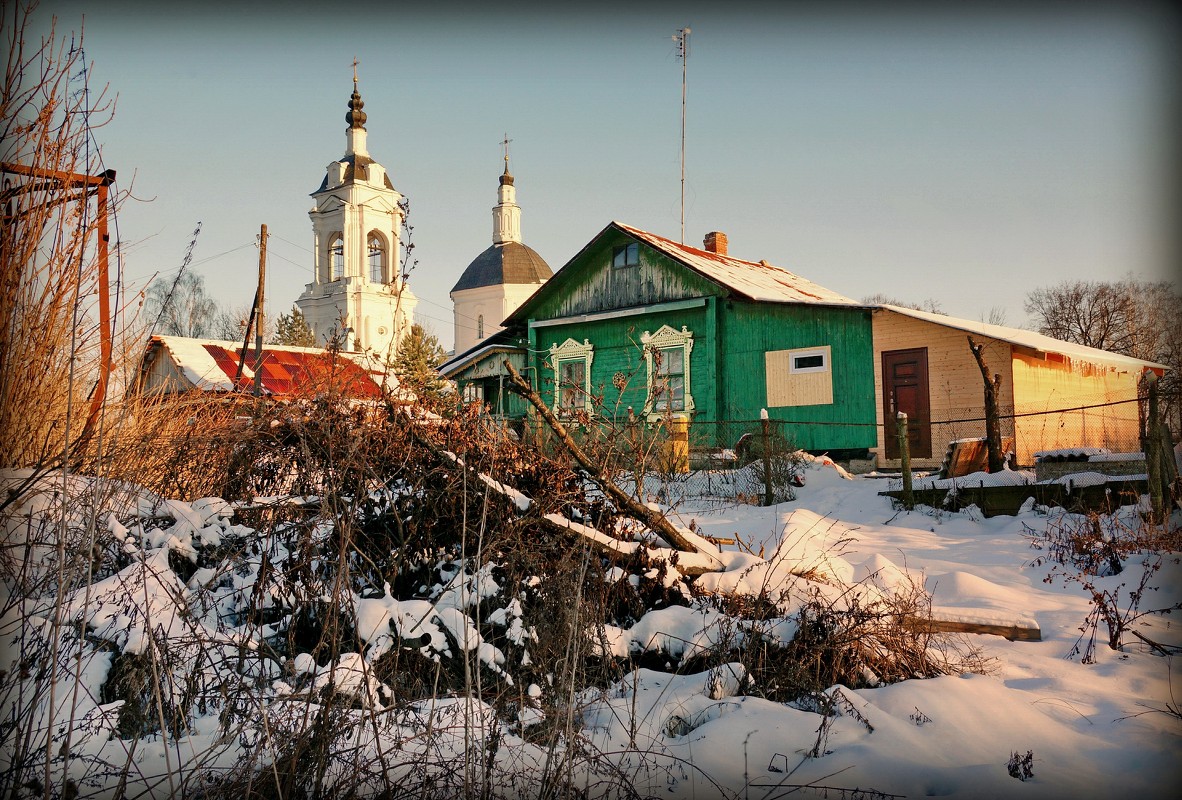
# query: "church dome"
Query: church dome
{"points": [[505, 263]]}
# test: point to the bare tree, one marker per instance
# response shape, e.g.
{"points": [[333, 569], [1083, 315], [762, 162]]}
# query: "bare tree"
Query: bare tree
{"points": [[1142, 319], [49, 290], [931, 305], [181, 307], [229, 324], [996, 458]]}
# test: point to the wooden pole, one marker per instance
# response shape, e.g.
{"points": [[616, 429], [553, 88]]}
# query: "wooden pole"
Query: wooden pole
{"points": [[258, 313], [1151, 446], [768, 498], [905, 459]]}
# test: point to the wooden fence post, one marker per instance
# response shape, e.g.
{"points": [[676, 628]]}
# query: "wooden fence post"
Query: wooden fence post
{"points": [[905, 459], [1150, 446], [768, 497]]}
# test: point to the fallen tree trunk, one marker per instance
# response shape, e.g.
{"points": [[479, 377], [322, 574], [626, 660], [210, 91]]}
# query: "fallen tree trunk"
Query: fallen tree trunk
{"points": [[653, 519], [619, 552]]}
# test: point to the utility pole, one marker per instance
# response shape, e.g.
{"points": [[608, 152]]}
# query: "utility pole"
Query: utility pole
{"points": [[258, 312], [682, 39]]}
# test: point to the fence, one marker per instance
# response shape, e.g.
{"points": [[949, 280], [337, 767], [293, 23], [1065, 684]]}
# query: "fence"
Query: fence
{"points": [[723, 461]]}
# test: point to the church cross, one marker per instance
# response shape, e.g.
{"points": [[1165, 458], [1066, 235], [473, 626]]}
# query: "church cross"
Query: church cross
{"points": [[505, 144]]}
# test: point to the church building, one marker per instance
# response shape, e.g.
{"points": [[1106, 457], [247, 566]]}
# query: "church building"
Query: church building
{"points": [[499, 279], [357, 291]]}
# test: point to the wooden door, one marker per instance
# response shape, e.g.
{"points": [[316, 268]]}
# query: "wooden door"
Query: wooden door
{"points": [[905, 388]]}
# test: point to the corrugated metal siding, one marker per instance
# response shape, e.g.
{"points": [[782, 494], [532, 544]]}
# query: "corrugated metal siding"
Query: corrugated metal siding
{"points": [[751, 330]]}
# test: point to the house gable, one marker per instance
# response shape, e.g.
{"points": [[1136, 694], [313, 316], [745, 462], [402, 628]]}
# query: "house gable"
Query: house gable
{"points": [[590, 284]]}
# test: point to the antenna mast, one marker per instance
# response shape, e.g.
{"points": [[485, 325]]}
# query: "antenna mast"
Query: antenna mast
{"points": [[682, 39]]}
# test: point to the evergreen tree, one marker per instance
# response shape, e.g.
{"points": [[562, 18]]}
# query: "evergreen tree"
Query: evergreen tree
{"points": [[293, 330], [417, 359]]}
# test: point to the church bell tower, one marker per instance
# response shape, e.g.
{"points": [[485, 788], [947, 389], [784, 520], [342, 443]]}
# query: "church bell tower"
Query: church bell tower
{"points": [[357, 292]]}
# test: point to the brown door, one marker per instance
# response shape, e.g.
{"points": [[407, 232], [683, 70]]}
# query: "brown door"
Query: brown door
{"points": [[905, 388]]}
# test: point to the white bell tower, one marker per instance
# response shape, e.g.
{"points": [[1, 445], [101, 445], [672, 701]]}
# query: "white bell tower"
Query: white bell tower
{"points": [[357, 290]]}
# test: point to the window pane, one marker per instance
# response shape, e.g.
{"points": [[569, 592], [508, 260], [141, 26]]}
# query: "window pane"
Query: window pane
{"points": [[571, 380], [809, 362]]}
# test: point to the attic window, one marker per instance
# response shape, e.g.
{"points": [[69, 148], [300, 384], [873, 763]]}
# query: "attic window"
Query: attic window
{"points": [[627, 255]]}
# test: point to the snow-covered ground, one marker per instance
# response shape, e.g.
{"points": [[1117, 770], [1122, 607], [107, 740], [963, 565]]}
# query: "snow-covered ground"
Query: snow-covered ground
{"points": [[1099, 729]]}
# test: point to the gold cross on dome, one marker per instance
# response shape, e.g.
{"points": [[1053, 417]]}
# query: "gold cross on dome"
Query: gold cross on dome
{"points": [[355, 63], [505, 144]]}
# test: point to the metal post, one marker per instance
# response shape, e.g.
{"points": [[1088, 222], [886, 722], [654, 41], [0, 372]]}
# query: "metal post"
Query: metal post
{"points": [[905, 459]]}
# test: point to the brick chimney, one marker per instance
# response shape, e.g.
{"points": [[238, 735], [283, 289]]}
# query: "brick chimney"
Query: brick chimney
{"points": [[715, 242]]}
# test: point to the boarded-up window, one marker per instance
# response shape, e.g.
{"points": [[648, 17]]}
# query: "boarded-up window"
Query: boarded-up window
{"points": [[799, 377]]}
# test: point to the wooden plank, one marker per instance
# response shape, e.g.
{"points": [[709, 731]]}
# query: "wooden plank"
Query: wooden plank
{"points": [[1014, 633]]}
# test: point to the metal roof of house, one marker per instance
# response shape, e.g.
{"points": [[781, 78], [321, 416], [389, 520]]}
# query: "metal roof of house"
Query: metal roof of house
{"points": [[506, 263], [755, 280], [1030, 339], [210, 365], [503, 341]]}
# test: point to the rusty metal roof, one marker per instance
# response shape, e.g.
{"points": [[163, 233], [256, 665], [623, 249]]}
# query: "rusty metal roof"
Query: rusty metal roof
{"points": [[211, 365]]}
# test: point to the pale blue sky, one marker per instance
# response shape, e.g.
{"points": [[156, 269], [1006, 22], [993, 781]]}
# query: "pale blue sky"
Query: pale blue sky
{"points": [[965, 157]]}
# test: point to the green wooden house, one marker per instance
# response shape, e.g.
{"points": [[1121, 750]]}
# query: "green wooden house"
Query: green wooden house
{"points": [[639, 324]]}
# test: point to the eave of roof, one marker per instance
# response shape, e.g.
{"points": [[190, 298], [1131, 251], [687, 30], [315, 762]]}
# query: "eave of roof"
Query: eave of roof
{"points": [[1030, 339]]}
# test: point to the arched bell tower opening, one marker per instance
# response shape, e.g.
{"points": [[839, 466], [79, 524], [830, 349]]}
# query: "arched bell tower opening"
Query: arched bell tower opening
{"points": [[357, 293]]}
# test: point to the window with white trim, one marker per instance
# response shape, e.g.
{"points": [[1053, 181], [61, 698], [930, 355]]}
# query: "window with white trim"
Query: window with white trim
{"points": [[571, 362], [667, 356], [806, 361]]}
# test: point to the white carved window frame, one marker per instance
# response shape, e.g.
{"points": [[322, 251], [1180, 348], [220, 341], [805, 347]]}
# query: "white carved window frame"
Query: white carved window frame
{"points": [[667, 338], [570, 350]]}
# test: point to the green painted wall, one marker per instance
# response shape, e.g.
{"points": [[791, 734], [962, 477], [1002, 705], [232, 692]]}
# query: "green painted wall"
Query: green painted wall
{"points": [[728, 378], [750, 330], [618, 350]]}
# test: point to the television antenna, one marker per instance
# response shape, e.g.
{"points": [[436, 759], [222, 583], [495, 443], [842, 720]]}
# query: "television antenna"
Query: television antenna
{"points": [[682, 39]]}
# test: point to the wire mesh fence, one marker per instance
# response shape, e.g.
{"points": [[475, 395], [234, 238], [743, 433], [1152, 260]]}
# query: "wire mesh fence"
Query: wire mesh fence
{"points": [[670, 461]]}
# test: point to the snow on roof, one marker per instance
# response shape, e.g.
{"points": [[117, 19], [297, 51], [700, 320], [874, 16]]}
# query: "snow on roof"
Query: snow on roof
{"points": [[757, 280], [210, 365], [499, 341], [1025, 338]]}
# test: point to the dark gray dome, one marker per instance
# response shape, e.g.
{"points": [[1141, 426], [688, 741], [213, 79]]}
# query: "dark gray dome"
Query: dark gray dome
{"points": [[511, 262]]}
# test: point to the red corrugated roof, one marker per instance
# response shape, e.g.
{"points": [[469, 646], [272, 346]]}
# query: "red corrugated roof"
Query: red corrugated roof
{"points": [[296, 371]]}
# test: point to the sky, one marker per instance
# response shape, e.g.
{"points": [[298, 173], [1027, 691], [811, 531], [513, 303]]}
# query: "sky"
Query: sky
{"points": [[965, 157]]}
